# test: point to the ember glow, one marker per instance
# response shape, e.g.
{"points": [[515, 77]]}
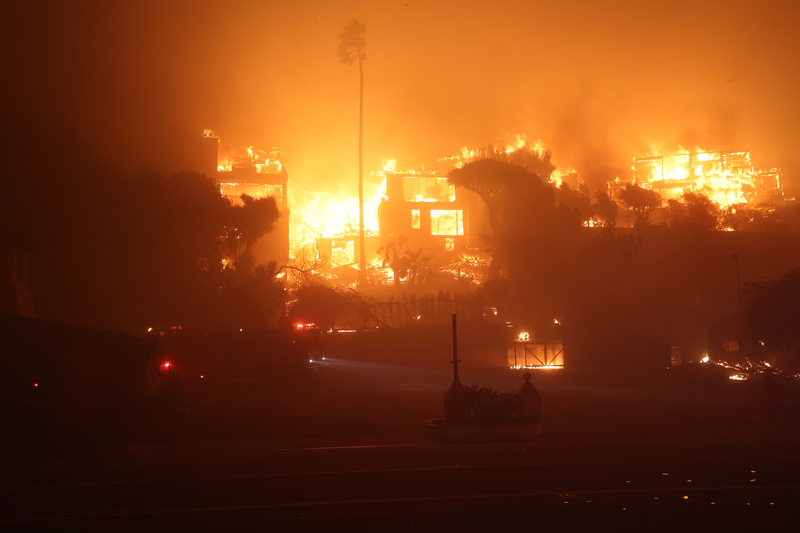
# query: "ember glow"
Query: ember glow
{"points": [[750, 368]]}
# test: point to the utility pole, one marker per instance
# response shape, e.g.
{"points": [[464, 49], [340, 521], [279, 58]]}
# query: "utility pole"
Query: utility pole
{"points": [[455, 360]]}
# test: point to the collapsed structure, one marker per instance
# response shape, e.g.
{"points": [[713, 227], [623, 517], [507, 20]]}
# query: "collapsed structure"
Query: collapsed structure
{"points": [[726, 178], [422, 211]]}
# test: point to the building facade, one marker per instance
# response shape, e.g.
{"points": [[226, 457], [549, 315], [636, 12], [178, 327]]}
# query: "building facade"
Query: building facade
{"points": [[428, 210]]}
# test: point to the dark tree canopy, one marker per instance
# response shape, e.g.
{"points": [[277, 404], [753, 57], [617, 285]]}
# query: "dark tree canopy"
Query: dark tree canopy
{"points": [[246, 224], [352, 43], [772, 314], [128, 252], [693, 211], [501, 183], [604, 210], [641, 201], [326, 307]]}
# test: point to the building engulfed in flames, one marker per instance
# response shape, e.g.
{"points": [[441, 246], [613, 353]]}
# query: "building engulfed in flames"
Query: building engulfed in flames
{"points": [[258, 174], [726, 178], [408, 212], [422, 215]]}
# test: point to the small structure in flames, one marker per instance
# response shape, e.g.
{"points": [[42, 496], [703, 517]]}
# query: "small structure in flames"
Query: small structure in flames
{"points": [[546, 354]]}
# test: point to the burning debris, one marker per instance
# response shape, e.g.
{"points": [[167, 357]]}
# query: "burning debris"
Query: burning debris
{"points": [[749, 368]]}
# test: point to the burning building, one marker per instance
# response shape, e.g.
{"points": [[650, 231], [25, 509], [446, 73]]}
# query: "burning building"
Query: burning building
{"points": [[427, 209], [421, 209], [726, 178], [258, 174]]}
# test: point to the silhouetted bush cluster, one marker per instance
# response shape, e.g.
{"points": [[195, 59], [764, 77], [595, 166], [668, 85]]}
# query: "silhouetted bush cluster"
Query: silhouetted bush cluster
{"points": [[130, 252]]}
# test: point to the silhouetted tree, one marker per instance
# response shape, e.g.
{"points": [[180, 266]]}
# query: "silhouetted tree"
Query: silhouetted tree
{"points": [[772, 314], [604, 210], [352, 43], [532, 160], [738, 217], [125, 252], [693, 211], [328, 307], [507, 190], [641, 202], [247, 223], [318, 304], [497, 182], [575, 201]]}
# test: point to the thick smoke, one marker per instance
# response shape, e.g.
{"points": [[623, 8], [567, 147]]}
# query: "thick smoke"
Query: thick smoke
{"points": [[599, 83]]}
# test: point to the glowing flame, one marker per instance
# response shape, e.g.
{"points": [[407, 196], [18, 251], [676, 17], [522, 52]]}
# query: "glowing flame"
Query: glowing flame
{"points": [[726, 178], [389, 164], [264, 161], [332, 214], [516, 142], [509, 145]]}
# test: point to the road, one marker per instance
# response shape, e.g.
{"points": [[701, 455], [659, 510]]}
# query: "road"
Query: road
{"points": [[415, 486]]}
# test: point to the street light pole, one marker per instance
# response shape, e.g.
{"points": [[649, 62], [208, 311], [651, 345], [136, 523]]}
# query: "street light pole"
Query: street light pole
{"points": [[456, 400]]}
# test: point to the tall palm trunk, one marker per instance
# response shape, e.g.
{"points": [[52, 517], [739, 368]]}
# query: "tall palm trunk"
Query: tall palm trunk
{"points": [[362, 261]]}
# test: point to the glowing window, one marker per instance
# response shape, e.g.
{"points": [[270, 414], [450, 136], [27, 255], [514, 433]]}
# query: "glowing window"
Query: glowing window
{"points": [[447, 222], [428, 189], [415, 218], [449, 244]]}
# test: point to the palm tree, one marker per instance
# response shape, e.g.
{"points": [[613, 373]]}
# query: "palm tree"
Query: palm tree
{"points": [[351, 49]]}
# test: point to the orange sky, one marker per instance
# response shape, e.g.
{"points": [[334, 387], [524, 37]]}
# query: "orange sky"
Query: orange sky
{"points": [[598, 81]]}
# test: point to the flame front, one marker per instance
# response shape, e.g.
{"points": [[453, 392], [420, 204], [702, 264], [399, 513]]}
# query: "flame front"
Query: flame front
{"points": [[332, 214], [725, 178]]}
